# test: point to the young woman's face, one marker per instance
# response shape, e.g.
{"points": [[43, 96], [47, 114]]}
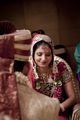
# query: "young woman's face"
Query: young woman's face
{"points": [[43, 56]]}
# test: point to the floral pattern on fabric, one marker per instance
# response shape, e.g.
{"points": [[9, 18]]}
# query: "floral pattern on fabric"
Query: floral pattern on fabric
{"points": [[45, 88], [60, 76]]}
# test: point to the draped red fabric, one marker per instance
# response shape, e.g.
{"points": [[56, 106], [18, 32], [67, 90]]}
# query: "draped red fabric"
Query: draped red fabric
{"points": [[9, 103]]}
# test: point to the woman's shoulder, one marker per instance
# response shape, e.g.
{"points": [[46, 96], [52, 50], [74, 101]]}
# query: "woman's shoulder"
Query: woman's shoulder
{"points": [[58, 60], [62, 63]]}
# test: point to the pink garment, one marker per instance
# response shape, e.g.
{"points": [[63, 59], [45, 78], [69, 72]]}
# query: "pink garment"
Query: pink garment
{"points": [[9, 103], [63, 118], [60, 77]]}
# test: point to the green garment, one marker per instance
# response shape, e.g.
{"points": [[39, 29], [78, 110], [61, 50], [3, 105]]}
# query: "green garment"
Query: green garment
{"points": [[77, 57]]}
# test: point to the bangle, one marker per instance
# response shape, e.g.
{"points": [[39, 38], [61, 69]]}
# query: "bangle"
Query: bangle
{"points": [[62, 108]]}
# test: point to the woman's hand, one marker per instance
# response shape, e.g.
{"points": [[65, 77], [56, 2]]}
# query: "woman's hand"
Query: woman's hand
{"points": [[62, 109]]}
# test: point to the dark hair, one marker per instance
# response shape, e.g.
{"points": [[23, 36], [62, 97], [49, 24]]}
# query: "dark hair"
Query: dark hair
{"points": [[40, 31], [7, 27], [39, 44]]}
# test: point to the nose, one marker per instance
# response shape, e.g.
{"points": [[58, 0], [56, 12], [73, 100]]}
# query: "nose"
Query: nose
{"points": [[43, 57]]}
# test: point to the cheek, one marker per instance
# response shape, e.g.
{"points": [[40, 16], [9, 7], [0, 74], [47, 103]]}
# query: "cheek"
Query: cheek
{"points": [[50, 59], [36, 58]]}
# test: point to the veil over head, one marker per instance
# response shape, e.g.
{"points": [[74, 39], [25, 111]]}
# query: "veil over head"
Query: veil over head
{"points": [[41, 37], [37, 38]]}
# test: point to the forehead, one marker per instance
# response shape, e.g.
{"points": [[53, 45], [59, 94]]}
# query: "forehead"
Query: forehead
{"points": [[44, 47]]}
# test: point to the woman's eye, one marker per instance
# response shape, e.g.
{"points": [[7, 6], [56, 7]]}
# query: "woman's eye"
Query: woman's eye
{"points": [[39, 54], [48, 54]]}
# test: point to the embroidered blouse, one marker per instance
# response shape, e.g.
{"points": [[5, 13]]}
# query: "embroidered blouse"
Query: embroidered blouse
{"points": [[55, 85]]}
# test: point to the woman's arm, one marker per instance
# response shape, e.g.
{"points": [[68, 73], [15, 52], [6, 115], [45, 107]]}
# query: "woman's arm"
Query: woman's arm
{"points": [[70, 94]]}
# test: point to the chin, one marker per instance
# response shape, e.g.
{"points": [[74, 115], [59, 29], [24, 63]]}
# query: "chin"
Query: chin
{"points": [[43, 66]]}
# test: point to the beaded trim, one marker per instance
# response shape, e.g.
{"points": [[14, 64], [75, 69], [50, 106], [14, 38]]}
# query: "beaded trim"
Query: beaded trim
{"points": [[21, 78]]}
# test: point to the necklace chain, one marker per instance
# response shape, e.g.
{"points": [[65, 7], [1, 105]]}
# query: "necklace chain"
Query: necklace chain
{"points": [[44, 76]]}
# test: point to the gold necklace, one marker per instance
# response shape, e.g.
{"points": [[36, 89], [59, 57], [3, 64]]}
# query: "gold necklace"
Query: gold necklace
{"points": [[44, 76]]}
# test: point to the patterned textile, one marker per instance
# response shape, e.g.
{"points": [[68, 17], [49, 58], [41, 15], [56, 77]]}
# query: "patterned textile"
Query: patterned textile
{"points": [[9, 104], [76, 112], [59, 77], [8, 95], [22, 45]]}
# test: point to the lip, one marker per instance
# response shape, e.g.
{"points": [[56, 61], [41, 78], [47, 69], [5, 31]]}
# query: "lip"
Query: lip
{"points": [[43, 62]]}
